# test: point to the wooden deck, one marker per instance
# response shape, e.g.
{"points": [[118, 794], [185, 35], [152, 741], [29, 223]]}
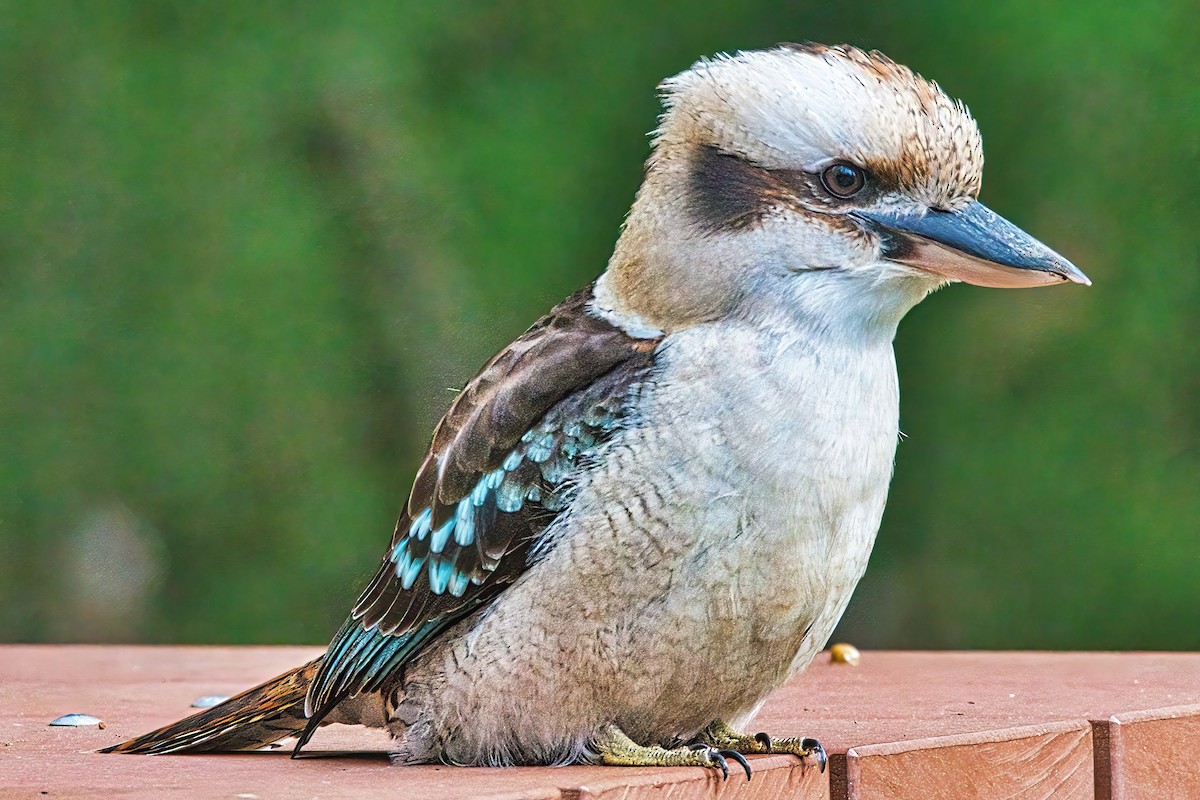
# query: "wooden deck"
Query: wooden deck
{"points": [[900, 725]]}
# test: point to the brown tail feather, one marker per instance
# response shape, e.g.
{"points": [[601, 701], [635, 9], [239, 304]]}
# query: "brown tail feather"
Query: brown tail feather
{"points": [[253, 719]]}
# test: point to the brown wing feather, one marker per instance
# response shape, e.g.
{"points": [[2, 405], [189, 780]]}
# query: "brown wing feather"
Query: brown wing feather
{"points": [[564, 351], [539, 405]]}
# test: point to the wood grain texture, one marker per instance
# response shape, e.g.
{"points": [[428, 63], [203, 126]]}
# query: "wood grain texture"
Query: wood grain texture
{"points": [[1028, 763], [1150, 754]]}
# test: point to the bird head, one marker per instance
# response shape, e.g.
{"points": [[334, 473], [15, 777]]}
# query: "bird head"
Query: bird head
{"points": [[812, 173]]}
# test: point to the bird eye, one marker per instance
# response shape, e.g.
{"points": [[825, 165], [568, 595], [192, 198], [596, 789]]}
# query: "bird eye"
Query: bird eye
{"points": [[843, 180]]}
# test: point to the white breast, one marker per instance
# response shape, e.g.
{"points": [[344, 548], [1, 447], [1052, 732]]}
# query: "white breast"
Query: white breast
{"points": [[725, 533], [802, 435]]}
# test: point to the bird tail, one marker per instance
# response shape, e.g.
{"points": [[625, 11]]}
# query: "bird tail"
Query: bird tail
{"points": [[253, 719]]}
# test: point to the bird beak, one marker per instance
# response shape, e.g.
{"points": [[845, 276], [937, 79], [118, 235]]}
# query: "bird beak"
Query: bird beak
{"points": [[973, 244]]}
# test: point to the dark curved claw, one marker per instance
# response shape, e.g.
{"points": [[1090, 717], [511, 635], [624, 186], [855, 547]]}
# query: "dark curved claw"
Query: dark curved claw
{"points": [[717, 758], [818, 752], [764, 739], [738, 757]]}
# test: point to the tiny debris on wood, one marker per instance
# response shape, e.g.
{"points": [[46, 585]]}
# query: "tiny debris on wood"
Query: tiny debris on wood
{"points": [[842, 653]]}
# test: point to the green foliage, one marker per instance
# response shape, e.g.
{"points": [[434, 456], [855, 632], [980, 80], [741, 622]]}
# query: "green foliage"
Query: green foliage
{"points": [[245, 249]]}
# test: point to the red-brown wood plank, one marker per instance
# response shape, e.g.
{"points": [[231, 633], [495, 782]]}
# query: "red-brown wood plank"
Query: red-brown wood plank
{"points": [[774, 777], [900, 725], [1028, 763], [900, 699], [1150, 754]]}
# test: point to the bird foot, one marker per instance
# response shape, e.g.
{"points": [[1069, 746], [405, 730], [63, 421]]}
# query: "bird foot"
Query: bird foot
{"points": [[720, 735], [615, 748]]}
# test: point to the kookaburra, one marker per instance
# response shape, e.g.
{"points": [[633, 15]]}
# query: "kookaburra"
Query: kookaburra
{"points": [[651, 509]]}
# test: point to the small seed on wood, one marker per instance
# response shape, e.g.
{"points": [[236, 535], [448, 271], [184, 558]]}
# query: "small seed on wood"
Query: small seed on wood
{"points": [[842, 653]]}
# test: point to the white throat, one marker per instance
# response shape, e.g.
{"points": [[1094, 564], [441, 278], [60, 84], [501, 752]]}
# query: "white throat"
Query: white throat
{"points": [[846, 309]]}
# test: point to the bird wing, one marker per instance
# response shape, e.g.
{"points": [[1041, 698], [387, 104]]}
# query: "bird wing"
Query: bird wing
{"points": [[499, 470]]}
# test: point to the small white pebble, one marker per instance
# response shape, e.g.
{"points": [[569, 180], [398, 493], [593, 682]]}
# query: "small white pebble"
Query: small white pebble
{"points": [[76, 721]]}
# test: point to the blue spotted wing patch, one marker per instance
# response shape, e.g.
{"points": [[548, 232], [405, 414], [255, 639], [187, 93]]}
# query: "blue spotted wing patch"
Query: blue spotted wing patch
{"points": [[502, 465], [460, 552]]}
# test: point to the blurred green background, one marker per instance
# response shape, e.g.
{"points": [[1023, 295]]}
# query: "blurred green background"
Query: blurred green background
{"points": [[245, 250]]}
